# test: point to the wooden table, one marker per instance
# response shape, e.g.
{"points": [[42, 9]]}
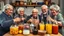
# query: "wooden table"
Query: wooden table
{"points": [[7, 34]]}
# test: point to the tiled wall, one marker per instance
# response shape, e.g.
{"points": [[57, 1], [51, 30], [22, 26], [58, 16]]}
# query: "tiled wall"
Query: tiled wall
{"points": [[29, 10]]}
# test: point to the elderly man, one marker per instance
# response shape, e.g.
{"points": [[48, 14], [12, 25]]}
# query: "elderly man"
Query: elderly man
{"points": [[56, 16], [6, 19], [21, 15], [44, 14], [34, 18]]}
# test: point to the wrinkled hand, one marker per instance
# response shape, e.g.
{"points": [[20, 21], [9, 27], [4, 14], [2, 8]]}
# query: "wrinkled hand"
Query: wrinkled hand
{"points": [[17, 19], [59, 23], [30, 20], [49, 18], [22, 19]]}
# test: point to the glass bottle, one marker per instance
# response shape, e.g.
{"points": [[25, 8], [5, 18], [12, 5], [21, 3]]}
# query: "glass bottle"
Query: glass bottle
{"points": [[35, 30], [26, 30], [55, 29], [14, 29], [49, 28], [30, 2], [42, 26], [31, 27], [20, 26]]}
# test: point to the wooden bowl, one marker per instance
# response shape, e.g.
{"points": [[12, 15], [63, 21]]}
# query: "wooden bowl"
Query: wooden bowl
{"points": [[40, 32]]}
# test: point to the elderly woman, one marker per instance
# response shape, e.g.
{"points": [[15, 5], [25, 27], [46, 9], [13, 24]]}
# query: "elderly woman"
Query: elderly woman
{"points": [[44, 14], [56, 16], [6, 19], [21, 15], [34, 18]]}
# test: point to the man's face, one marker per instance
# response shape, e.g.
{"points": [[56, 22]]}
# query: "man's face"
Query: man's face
{"points": [[9, 11], [44, 9], [22, 12], [34, 14], [54, 12]]}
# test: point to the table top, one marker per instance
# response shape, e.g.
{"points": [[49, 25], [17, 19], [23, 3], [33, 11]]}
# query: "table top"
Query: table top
{"points": [[8, 34]]}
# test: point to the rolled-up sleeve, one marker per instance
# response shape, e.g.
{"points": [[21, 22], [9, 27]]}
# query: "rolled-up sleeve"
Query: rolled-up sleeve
{"points": [[60, 18]]}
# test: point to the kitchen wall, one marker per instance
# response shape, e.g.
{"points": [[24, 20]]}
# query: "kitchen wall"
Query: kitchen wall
{"points": [[28, 10], [55, 1], [1, 6]]}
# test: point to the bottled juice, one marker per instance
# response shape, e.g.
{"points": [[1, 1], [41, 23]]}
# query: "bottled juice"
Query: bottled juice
{"points": [[20, 27], [42, 26], [49, 28], [55, 29]]}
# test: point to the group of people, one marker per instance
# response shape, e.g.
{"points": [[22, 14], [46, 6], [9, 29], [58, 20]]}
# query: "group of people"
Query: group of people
{"points": [[48, 15]]}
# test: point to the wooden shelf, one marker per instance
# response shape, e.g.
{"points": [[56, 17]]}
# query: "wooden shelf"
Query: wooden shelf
{"points": [[27, 5]]}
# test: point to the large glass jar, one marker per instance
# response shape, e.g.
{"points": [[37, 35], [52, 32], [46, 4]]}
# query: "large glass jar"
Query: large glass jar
{"points": [[55, 29], [14, 30], [21, 26], [26, 30]]}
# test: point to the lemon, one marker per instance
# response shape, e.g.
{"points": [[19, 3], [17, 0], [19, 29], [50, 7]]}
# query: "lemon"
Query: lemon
{"points": [[20, 31]]}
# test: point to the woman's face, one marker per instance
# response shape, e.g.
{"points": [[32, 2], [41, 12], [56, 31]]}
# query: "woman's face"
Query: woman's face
{"points": [[21, 12], [34, 14], [54, 12]]}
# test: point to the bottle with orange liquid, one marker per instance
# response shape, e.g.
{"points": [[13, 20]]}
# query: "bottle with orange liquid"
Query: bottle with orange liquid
{"points": [[20, 28], [49, 28], [42, 26]]}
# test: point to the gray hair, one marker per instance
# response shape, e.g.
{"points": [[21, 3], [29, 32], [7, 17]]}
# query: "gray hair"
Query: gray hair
{"points": [[35, 10], [19, 9], [55, 7], [44, 6], [7, 6]]}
